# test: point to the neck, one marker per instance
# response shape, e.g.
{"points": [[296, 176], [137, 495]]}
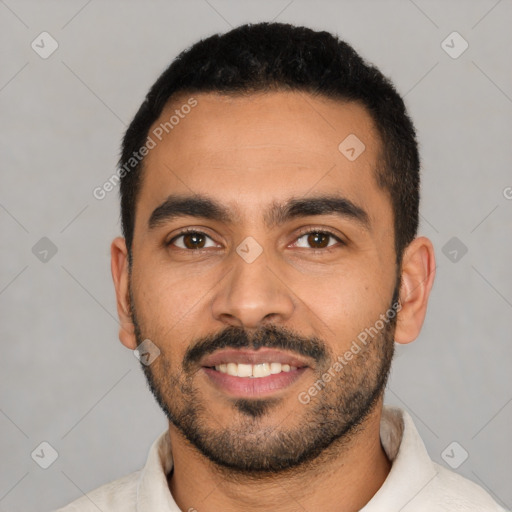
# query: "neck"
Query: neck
{"points": [[343, 479]]}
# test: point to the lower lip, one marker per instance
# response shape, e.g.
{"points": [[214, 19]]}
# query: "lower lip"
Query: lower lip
{"points": [[253, 386]]}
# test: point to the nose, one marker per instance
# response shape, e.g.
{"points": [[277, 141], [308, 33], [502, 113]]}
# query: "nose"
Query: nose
{"points": [[253, 294]]}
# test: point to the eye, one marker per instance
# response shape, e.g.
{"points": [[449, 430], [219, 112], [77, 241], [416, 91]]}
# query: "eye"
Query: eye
{"points": [[192, 240], [317, 238], [196, 240]]}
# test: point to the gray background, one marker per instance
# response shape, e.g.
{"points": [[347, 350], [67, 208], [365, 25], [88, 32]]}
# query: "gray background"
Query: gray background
{"points": [[67, 380]]}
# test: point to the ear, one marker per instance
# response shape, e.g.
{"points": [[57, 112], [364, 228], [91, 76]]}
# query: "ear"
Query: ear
{"points": [[120, 275], [418, 272]]}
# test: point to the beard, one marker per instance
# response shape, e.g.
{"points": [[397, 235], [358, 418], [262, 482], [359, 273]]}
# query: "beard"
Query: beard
{"points": [[251, 445]]}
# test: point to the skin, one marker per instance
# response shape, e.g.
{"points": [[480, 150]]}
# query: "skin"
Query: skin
{"points": [[289, 149]]}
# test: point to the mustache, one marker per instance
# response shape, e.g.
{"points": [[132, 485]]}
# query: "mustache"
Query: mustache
{"points": [[268, 337]]}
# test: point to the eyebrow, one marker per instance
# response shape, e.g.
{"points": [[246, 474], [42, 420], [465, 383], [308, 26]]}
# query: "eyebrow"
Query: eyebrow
{"points": [[201, 206]]}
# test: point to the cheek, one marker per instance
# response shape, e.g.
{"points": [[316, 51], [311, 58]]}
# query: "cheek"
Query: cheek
{"points": [[166, 301], [346, 303], [167, 293]]}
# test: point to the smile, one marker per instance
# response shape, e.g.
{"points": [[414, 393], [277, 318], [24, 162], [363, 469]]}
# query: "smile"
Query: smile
{"points": [[254, 370], [253, 373]]}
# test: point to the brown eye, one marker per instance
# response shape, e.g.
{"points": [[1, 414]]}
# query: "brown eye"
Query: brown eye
{"points": [[191, 240], [317, 239]]}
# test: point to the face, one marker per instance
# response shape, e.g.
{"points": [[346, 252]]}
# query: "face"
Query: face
{"points": [[288, 258]]}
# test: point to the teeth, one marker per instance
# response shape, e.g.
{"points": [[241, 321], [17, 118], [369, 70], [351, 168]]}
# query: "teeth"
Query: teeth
{"points": [[275, 368], [244, 370], [261, 370], [254, 370], [232, 369]]}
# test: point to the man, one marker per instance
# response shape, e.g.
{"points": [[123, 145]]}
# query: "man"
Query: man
{"points": [[269, 202]]}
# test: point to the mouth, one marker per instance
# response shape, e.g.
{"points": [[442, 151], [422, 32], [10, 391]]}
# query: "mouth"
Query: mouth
{"points": [[247, 373], [254, 371]]}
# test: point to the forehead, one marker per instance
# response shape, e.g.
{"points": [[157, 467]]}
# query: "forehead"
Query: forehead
{"points": [[260, 148]]}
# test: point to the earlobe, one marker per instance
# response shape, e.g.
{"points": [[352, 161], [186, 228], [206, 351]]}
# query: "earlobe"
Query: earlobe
{"points": [[418, 272], [120, 275]]}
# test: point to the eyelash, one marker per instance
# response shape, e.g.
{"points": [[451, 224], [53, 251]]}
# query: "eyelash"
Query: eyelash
{"points": [[307, 231]]}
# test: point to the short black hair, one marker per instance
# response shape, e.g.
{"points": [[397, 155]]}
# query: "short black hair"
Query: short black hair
{"points": [[265, 57]]}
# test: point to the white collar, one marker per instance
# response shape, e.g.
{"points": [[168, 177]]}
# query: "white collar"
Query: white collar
{"points": [[412, 469]]}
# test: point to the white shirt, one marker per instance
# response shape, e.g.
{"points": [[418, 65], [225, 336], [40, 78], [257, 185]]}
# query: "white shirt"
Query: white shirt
{"points": [[414, 484]]}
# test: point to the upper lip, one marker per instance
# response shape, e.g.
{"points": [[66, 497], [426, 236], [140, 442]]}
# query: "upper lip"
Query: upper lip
{"points": [[262, 355]]}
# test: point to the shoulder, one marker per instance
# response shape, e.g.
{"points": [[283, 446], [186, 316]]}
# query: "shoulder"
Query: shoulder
{"points": [[452, 492], [418, 484], [118, 495]]}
